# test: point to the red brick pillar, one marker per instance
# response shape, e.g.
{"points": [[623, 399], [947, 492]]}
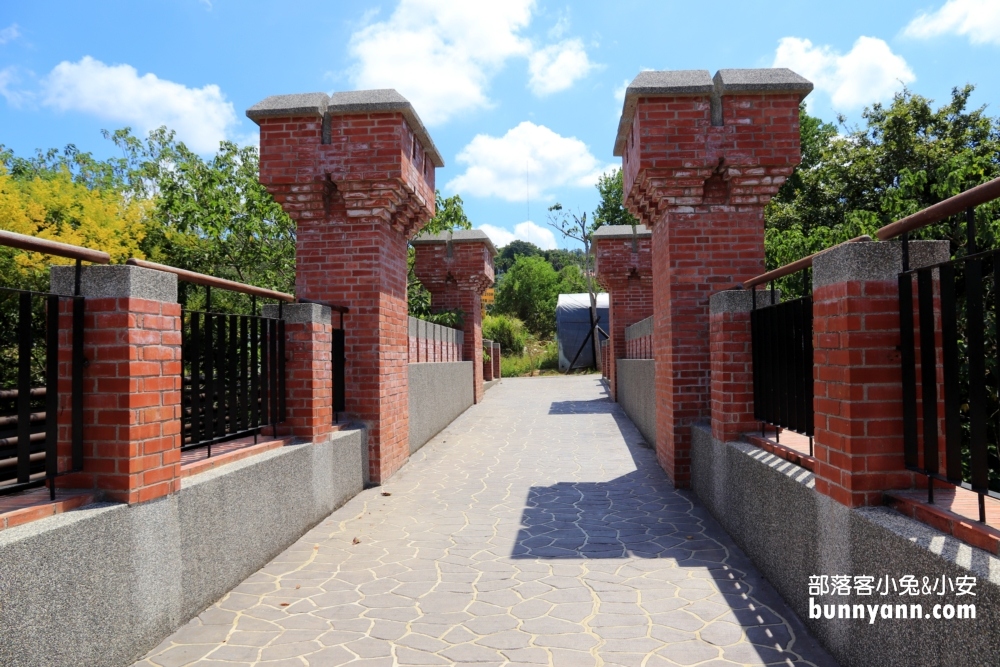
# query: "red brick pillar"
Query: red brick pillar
{"points": [[308, 369], [700, 160], [456, 268], [624, 266], [496, 362], [732, 364], [356, 173], [858, 382], [131, 382]]}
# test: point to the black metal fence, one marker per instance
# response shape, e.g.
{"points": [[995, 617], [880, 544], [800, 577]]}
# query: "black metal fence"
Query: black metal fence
{"points": [[30, 328], [962, 341], [781, 335], [234, 375]]}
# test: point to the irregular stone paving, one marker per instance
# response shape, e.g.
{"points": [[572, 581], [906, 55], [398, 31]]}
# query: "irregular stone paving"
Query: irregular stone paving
{"points": [[537, 529]]}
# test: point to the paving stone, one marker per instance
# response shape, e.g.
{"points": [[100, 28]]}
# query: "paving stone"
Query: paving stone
{"points": [[528, 532]]}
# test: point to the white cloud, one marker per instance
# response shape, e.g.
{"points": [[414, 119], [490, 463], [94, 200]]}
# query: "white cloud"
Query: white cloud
{"points": [[530, 160], [441, 54], [979, 20], [558, 66], [525, 231], [869, 72], [8, 77], [9, 33], [620, 91], [201, 116]]}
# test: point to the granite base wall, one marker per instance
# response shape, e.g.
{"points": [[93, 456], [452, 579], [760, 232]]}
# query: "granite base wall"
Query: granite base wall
{"points": [[636, 385], [772, 511], [439, 392], [104, 584]]}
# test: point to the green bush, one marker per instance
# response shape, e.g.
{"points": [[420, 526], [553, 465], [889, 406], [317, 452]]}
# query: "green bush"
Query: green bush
{"points": [[536, 358], [507, 331]]}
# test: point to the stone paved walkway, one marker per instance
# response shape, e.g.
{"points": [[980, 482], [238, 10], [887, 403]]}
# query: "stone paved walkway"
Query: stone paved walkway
{"points": [[536, 530]]}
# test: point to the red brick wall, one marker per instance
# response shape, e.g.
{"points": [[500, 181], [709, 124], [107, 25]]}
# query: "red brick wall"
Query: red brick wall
{"points": [[308, 379], [627, 275], [456, 274], [858, 392], [132, 398], [732, 375], [356, 201], [702, 189]]}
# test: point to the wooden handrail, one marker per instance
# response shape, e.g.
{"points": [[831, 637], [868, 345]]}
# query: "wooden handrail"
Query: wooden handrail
{"points": [[797, 265], [212, 281], [35, 244], [943, 209]]}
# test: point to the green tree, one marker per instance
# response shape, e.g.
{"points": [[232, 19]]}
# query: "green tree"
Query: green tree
{"points": [[529, 291], [610, 210], [906, 157], [508, 254]]}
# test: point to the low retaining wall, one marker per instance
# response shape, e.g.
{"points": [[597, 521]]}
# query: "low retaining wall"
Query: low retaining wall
{"points": [[104, 584], [791, 532], [438, 394], [636, 384]]}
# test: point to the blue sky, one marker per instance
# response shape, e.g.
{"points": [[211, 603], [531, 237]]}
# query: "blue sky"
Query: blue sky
{"points": [[522, 98]]}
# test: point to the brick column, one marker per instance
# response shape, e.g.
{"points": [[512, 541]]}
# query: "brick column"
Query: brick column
{"points": [[623, 261], [732, 364], [131, 381], [356, 173], [456, 268], [700, 159], [308, 368], [858, 382]]}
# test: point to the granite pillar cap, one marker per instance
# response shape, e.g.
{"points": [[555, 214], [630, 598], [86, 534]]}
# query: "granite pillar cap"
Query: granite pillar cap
{"points": [[740, 300], [621, 232], [300, 313], [115, 281], [457, 236], [874, 261]]}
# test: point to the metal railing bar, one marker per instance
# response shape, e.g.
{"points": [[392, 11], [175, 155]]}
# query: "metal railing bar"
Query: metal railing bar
{"points": [[35, 244], [797, 265], [952, 399], [977, 374], [944, 209], [212, 281]]}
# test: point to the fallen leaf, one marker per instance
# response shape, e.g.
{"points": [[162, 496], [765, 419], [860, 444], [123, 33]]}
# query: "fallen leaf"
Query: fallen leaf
{"points": [[357, 541], [690, 537], [298, 587], [284, 604], [386, 493]]}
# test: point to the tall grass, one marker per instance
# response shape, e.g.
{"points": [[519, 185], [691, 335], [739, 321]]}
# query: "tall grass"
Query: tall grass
{"points": [[539, 357]]}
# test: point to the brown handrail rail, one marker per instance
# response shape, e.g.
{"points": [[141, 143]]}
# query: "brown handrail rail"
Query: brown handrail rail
{"points": [[797, 265], [212, 281], [943, 209], [35, 244]]}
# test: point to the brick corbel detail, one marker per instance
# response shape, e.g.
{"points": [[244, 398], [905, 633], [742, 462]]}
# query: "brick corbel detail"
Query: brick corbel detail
{"points": [[623, 263], [356, 173], [700, 159], [456, 268]]}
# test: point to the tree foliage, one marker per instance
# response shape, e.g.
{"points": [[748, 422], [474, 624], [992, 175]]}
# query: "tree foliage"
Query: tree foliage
{"points": [[610, 210], [906, 157]]}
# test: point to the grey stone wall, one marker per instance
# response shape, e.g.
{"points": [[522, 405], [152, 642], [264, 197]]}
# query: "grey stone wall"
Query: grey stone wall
{"points": [[104, 584], [422, 329], [439, 393], [636, 383], [772, 511]]}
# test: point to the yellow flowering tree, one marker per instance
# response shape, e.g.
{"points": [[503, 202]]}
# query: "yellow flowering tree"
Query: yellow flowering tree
{"points": [[53, 206]]}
